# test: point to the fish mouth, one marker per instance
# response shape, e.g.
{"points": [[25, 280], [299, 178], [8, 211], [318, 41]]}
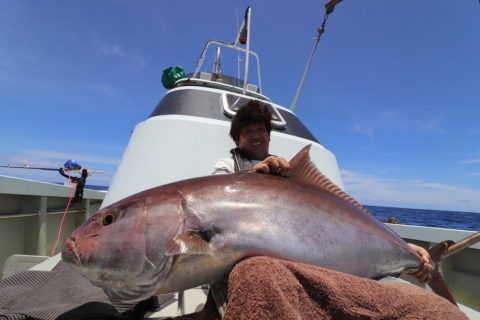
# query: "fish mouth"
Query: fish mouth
{"points": [[69, 257], [73, 252], [70, 254]]}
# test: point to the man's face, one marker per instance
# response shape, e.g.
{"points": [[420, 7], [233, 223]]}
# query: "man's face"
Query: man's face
{"points": [[254, 141]]}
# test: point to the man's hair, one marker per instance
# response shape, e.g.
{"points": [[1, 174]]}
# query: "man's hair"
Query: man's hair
{"points": [[252, 113]]}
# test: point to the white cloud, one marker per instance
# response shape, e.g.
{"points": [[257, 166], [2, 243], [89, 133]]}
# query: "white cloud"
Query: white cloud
{"points": [[431, 126], [471, 161], [118, 51], [107, 90], [414, 181], [392, 121], [474, 132], [31, 162], [375, 190], [76, 157], [439, 186], [365, 181], [362, 129]]}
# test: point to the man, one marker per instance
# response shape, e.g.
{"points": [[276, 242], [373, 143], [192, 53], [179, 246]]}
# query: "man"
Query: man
{"points": [[250, 130]]}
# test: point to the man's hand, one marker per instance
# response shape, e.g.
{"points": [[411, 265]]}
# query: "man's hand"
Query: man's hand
{"points": [[423, 274], [274, 165]]}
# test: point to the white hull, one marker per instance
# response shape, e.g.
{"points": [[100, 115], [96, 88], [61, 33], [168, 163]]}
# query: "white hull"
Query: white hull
{"points": [[170, 148]]}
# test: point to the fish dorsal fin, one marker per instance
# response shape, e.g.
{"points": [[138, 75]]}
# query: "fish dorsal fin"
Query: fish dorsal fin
{"points": [[302, 168]]}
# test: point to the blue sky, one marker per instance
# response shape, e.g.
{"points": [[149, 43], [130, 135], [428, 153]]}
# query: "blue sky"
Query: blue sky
{"points": [[393, 91]]}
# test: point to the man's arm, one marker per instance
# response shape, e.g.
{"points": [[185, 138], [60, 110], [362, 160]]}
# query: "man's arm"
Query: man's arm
{"points": [[223, 166], [423, 274]]}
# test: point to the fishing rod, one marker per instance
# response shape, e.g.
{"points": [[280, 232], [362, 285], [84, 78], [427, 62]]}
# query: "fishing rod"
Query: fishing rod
{"points": [[27, 167], [50, 169], [460, 245], [70, 165]]}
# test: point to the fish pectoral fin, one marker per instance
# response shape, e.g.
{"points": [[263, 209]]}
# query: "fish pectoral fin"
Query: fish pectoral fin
{"points": [[191, 242], [219, 290]]}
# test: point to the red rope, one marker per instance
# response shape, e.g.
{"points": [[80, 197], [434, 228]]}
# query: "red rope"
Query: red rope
{"points": [[64, 215]]}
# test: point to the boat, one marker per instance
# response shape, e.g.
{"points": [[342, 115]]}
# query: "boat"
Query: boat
{"points": [[187, 132], [31, 214]]}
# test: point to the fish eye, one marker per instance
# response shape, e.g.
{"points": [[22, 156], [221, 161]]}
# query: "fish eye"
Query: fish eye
{"points": [[109, 218]]}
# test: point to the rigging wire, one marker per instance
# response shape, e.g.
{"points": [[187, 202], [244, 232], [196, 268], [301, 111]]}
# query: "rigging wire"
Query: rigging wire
{"points": [[238, 52], [330, 6], [320, 30]]}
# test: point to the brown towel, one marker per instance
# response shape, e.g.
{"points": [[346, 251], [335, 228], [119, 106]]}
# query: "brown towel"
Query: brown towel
{"points": [[268, 288]]}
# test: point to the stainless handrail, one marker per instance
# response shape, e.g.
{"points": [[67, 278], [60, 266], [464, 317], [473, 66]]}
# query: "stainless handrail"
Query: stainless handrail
{"points": [[36, 214], [202, 58]]}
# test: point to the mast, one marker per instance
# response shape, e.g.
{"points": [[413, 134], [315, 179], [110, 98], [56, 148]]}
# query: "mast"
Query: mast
{"points": [[217, 67], [244, 36]]}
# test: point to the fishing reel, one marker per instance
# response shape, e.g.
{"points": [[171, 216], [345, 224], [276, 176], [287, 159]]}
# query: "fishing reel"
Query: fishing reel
{"points": [[72, 165]]}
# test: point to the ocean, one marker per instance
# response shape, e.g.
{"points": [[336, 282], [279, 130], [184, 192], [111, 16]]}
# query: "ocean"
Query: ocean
{"points": [[92, 187], [415, 217], [429, 218]]}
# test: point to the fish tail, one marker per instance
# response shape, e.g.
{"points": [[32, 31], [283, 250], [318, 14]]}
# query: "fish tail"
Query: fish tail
{"points": [[437, 284]]}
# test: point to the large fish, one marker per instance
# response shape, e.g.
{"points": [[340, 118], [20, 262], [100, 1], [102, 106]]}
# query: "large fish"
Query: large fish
{"points": [[184, 234]]}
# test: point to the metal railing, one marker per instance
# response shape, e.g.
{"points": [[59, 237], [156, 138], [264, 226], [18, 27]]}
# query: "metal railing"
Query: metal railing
{"points": [[37, 214]]}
